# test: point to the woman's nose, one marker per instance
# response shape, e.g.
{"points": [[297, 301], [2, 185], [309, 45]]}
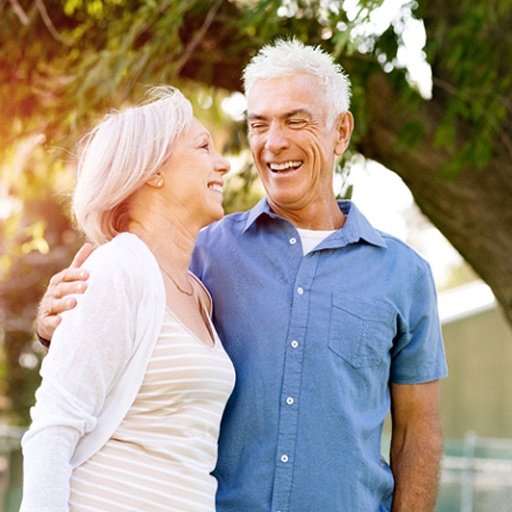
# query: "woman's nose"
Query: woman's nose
{"points": [[222, 166]]}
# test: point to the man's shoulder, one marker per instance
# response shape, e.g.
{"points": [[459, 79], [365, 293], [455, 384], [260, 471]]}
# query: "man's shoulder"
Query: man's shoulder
{"points": [[401, 251], [231, 222], [234, 218]]}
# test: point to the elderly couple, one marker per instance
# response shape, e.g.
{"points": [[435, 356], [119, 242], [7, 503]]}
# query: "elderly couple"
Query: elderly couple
{"points": [[328, 323]]}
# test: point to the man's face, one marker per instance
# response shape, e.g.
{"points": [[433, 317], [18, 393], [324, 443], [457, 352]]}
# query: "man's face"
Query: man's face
{"points": [[293, 148]]}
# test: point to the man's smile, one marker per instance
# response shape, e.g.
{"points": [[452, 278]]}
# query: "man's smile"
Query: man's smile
{"points": [[285, 166]]}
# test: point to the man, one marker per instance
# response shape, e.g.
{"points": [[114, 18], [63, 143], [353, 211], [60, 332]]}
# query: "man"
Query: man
{"points": [[330, 323]]}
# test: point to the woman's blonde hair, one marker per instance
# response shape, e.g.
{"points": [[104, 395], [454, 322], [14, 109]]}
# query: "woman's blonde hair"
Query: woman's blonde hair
{"points": [[125, 150]]}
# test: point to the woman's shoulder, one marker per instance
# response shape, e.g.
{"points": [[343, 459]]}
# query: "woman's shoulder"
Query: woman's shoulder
{"points": [[123, 250], [125, 258]]}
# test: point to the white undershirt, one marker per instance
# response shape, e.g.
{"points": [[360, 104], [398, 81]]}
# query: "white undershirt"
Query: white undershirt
{"points": [[310, 238]]}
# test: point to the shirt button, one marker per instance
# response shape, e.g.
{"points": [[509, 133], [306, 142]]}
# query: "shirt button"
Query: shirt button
{"points": [[293, 241], [300, 290], [294, 344], [290, 400], [284, 458]]}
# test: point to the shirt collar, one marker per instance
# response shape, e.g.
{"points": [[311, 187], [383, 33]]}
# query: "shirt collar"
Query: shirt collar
{"points": [[261, 208], [356, 226]]}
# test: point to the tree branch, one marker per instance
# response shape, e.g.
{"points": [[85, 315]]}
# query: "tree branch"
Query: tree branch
{"points": [[198, 36], [18, 10], [49, 24]]}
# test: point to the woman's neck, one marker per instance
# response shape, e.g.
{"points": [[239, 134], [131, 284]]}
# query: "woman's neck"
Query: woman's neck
{"points": [[170, 242]]}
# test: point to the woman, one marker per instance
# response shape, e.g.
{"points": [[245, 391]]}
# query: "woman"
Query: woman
{"points": [[134, 385]]}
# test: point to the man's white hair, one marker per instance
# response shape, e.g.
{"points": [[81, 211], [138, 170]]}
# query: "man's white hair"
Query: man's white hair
{"points": [[125, 150], [286, 57]]}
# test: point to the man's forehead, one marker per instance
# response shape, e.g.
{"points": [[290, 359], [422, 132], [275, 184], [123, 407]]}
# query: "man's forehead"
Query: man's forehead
{"points": [[285, 95]]}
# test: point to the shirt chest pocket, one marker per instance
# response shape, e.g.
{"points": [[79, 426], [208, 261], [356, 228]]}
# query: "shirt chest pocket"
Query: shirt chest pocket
{"points": [[361, 331]]}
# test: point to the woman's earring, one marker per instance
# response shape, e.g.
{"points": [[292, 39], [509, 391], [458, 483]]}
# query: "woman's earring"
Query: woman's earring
{"points": [[160, 183]]}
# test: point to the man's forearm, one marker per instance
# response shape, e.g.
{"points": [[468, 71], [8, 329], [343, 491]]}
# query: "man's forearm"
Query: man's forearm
{"points": [[416, 469]]}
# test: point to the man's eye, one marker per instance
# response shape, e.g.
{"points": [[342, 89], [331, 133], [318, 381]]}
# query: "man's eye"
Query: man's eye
{"points": [[296, 122], [256, 126]]}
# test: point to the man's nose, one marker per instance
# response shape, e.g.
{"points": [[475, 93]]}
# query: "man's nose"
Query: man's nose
{"points": [[276, 139]]}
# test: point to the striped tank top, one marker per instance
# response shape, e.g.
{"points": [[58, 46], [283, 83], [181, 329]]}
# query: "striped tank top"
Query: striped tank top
{"points": [[161, 455]]}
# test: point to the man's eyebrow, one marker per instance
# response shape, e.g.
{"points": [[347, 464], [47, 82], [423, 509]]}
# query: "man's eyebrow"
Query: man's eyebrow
{"points": [[251, 117], [286, 115]]}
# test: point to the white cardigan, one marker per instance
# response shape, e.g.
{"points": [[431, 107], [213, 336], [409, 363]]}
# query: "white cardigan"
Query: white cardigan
{"points": [[93, 370]]}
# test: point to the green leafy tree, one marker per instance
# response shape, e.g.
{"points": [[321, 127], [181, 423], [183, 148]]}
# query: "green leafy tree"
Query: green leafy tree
{"points": [[63, 63], [36, 239]]}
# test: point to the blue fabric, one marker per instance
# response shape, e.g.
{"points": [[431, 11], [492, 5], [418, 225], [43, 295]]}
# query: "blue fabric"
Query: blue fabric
{"points": [[315, 341]]}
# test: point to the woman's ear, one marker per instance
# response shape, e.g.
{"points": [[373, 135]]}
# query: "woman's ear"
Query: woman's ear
{"points": [[344, 126], [156, 181]]}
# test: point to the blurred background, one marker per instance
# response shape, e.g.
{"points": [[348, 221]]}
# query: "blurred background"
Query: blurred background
{"points": [[430, 162]]}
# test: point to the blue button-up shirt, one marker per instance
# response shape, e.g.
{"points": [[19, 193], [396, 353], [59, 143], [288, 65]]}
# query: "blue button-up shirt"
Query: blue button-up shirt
{"points": [[315, 341]]}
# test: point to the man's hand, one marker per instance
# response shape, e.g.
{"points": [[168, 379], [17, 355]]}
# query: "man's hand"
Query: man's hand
{"points": [[56, 299]]}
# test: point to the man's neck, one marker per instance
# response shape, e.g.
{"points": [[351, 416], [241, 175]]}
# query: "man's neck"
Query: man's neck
{"points": [[325, 218]]}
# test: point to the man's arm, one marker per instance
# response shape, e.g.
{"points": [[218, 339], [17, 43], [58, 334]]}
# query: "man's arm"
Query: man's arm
{"points": [[416, 445], [56, 299]]}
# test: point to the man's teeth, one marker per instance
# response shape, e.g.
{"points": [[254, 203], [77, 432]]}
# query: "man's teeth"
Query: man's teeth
{"points": [[215, 187], [285, 166]]}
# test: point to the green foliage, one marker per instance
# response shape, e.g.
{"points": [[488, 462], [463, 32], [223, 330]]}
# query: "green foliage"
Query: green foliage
{"points": [[470, 46], [412, 134], [36, 240]]}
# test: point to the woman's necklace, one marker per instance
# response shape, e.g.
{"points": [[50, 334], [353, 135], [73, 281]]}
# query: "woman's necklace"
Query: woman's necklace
{"points": [[189, 294]]}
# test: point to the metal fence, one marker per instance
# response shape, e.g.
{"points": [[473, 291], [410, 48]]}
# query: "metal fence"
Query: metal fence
{"points": [[10, 468], [476, 476]]}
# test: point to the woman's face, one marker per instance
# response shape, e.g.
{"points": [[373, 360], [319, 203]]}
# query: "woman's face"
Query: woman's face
{"points": [[193, 175]]}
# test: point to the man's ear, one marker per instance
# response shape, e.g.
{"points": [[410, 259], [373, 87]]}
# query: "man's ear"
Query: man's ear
{"points": [[344, 127], [156, 181]]}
